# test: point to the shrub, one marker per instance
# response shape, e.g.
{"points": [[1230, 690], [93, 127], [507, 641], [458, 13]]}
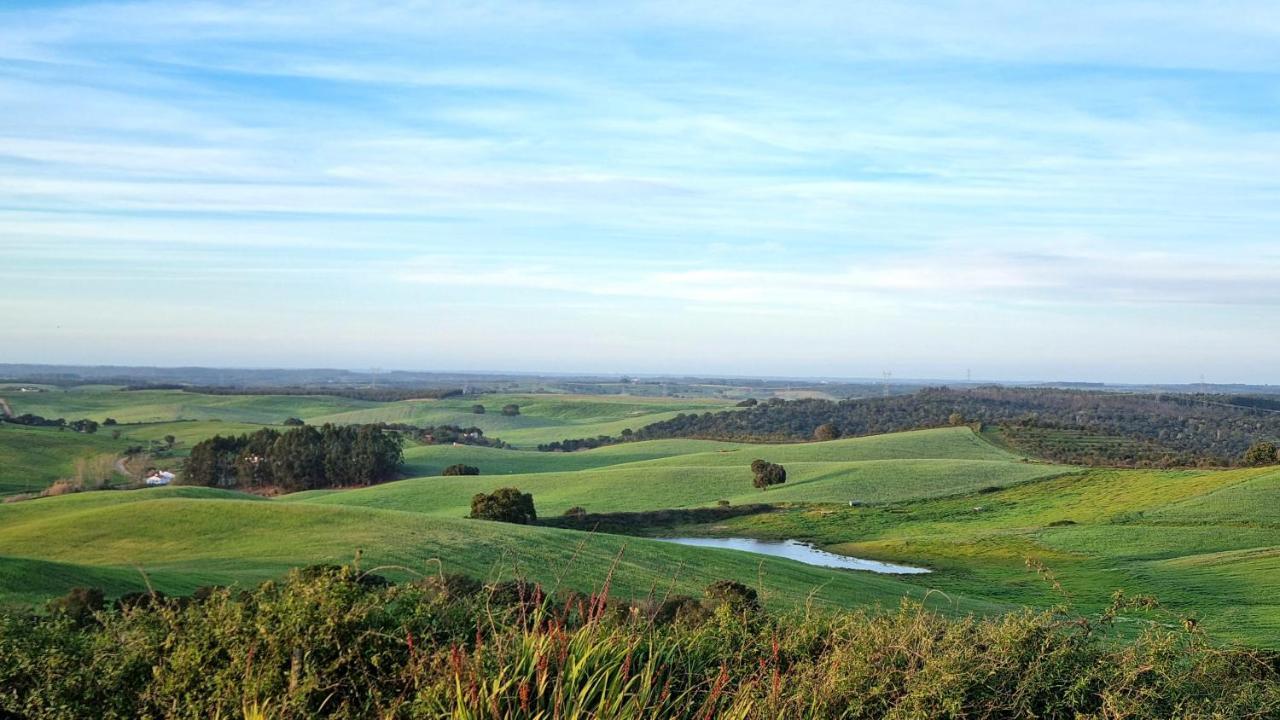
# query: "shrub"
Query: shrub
{"points": [[1261, 452], [323, 644], [732, 594], [294, 422], [78, 605], [576, 512], [451, 586], [61, 487], [767, 473], [511, 410], [749, 402], [504, 505], [477, 409], [460, 469], [825, 432]]}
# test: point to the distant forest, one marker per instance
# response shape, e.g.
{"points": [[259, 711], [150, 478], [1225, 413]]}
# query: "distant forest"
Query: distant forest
{"points": [[1076, 426], [305, 458]]}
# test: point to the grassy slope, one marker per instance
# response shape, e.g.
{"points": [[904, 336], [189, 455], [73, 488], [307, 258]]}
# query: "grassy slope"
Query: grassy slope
{"points": [[1185, 536], [543, 418], [184, 537], [150, 406], [934, 463], [31, 458]]}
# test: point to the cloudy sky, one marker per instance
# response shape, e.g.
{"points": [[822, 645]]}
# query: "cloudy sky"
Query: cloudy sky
{"points": [[1024, 190]]}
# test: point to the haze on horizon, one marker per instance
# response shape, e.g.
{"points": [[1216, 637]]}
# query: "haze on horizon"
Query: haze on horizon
{"points": [[1027, 190]]}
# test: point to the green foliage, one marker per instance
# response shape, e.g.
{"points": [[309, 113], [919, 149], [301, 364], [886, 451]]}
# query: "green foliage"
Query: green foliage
{"points": [[767, 474], [303, 458], [511, 410], [1167, 429], [78, 605], [1261, 452], [328, 643], [735, 596], [504, 505], [460, 469], [477, 409]]}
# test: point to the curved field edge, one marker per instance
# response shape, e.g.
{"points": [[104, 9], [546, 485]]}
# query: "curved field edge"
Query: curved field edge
{"points": [[183, 542]]}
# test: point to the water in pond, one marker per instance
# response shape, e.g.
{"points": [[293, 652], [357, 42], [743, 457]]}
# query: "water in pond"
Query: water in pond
{"points": [[801, 552]]}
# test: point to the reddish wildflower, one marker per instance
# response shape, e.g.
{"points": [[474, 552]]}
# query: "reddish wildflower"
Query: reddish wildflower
{"points": [[716, 691]]}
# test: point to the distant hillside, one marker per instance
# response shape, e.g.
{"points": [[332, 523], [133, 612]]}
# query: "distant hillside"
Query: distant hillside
{"points": [[1077, 426]]}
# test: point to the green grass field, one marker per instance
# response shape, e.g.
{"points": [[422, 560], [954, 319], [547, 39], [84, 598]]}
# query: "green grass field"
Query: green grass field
{"points": [[32, 458], [185, 537], [1200, 541], [542, 418], [1206, 543]]}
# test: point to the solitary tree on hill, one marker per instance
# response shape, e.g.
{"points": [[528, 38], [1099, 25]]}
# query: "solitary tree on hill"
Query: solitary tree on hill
{"points": [[826, 431], [460, 469], [767, 473], [504, 505], [511, 409]]}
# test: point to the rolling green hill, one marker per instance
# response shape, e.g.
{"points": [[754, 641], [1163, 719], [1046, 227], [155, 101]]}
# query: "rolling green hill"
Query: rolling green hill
{"points": [[542, 418], [183, 538], [690, 473], [32, 458]]}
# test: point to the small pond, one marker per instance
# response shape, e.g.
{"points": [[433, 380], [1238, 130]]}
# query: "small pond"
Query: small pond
{"points": [[796, 550]]}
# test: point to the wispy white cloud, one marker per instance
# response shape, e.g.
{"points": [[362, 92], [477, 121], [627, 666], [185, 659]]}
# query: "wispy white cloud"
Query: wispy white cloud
{"points": [[793, 161]]}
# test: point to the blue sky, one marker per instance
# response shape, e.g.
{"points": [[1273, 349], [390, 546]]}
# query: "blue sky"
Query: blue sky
{"points": [[1023, 190]]}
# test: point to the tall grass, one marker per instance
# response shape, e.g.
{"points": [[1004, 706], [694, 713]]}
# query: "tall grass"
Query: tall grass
{"points": [[336, 643]]}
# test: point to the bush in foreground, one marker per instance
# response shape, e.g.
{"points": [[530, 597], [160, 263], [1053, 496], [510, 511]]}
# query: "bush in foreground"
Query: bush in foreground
{"points": [[330, 643]]}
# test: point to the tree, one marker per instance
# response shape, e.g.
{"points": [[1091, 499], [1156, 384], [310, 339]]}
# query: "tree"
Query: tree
{"points": [[297, 459], [955, 418], [826, 431], [767, 473], [477, 409], [170, 441], [504, 505], [460, 469], [1261, 452], [511, 409], [109, 421], [212, 461], [294, 422]]}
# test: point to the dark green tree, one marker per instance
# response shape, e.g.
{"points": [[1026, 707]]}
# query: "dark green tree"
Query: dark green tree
{"points": [[298, 459], [511, 409], [767, 473], [460, 469], [212, 462], [477, 409], [504, 505]]}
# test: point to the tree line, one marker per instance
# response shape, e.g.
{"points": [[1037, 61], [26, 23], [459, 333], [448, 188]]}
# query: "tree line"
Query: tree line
{"points": [[304, 458], [83, 425], [373, 394], [1157, 429]]}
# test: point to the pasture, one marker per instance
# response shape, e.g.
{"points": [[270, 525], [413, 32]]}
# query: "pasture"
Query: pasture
{"points": [[998, 529]]}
